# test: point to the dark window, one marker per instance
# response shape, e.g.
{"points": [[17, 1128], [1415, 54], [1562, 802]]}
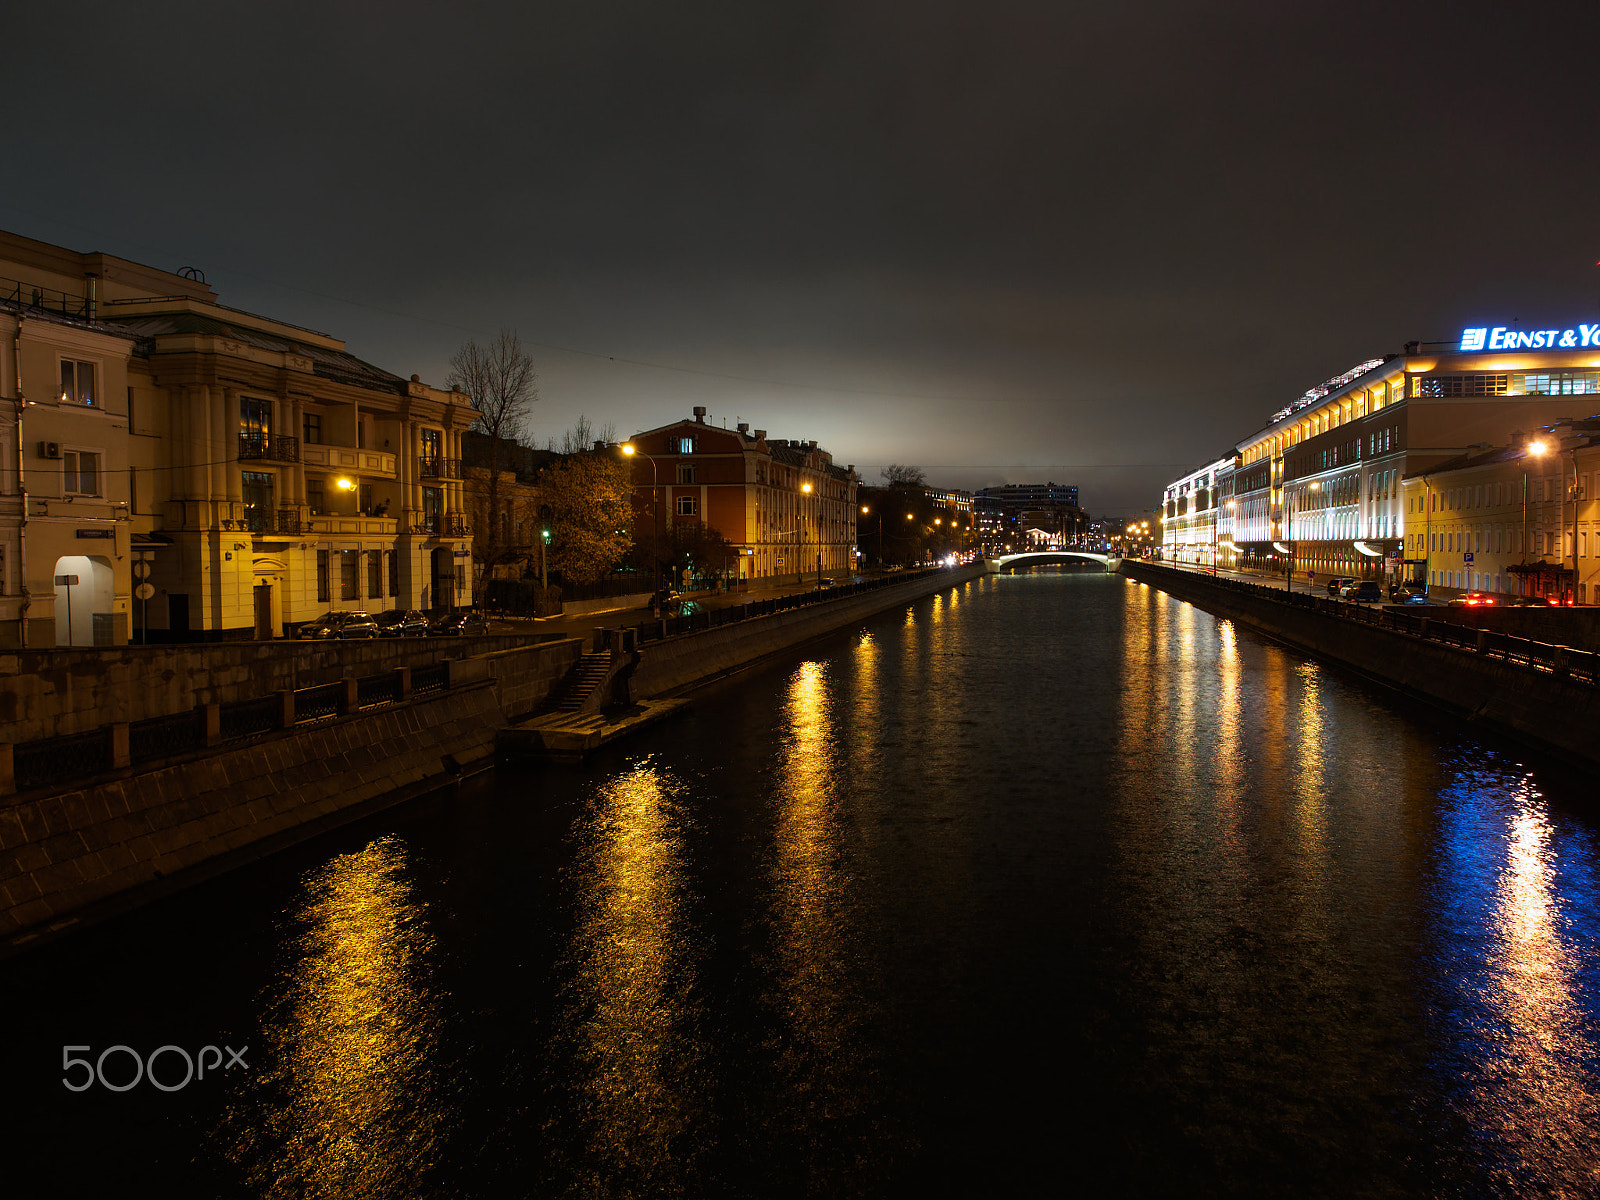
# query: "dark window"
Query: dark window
{"points": [[257, 500], [432, 506], [311, 428], [375, 573], [324, 588], [394, 573], [80, 473], [685, 473], [314, 499], [348, 571], [688, 506]]}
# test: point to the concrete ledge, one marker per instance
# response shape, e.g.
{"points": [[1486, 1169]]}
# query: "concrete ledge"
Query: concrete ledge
{"points": [[691, 658]]}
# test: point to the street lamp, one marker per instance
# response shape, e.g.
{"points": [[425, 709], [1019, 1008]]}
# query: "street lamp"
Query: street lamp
{"points": [[630, 449], [1288, 511], [1537, 449]]}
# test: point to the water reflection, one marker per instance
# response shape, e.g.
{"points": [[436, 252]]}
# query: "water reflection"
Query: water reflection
{"points": [[1520, 931], [637, 1035], [820, 1057], [347, 1098]]}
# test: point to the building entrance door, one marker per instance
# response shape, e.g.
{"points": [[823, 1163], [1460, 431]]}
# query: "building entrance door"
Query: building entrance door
{"points": [[263, 593]]}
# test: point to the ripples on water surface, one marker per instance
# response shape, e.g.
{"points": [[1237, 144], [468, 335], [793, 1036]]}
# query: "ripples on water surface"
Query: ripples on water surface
{"points": [[1046, 882]]}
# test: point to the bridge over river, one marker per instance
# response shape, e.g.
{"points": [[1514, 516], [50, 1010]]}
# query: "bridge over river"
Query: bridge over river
{"points": [[1028, 558]]}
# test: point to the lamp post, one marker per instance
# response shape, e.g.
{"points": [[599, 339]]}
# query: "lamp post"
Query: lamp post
{"points": [[630, 449], [865, 510], [800, 563], [1537, 449], [1288, 512]]}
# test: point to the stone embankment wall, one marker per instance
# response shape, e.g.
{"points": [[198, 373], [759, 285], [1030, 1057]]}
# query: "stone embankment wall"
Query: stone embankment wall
{"points": [[1530, 705], [47, 693], [144, 831], [690, 658], [1575, 627]]}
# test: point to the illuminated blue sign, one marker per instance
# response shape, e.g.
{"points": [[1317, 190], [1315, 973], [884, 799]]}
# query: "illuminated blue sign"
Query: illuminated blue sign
{"points": [[1501, 338]]}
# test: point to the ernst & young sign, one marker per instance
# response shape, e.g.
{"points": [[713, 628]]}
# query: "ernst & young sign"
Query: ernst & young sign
{"points": [[1501, 338]]}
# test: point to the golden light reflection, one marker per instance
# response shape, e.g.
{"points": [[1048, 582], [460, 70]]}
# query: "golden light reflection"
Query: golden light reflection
{"points": [[1536, 1093], [637, 1039], [818, 987], [348, 1099]]}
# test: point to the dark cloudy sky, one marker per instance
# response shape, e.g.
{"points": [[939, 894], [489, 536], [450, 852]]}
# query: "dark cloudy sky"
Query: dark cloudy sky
{"points": [[1090, 243]]}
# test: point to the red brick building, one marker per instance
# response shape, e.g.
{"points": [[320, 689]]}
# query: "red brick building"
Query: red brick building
{"points": [[783, 504]]}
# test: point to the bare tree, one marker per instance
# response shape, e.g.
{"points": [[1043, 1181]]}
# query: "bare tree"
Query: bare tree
{"points": [[583, 435], [904, 476], [498, 375]]}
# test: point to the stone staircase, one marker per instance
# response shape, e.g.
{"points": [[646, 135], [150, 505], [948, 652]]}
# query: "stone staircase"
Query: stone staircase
{"points": [[588, 673]]}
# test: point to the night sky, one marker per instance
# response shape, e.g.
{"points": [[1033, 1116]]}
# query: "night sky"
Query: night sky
{"points": [[1090, 243]]}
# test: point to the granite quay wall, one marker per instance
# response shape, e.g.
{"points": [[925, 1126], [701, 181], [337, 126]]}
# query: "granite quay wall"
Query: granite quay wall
{"points": [[49, 693], [694, 657], [146, 831], [1575, 627], [1534, 692]]}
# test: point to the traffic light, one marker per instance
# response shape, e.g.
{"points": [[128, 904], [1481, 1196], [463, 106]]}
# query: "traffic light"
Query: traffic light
{"points": [[546, 534]]}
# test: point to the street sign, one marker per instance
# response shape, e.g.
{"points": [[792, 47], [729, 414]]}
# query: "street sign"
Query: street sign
{"points": [[1466, 556], [141, 570], [143, 592], [66, 580]]}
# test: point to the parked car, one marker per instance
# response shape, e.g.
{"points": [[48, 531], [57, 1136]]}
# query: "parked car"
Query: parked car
{"points": [[402, 622], [1471, 600], [1338, 583], [466, 622], [1368, 591], [667, 602], [340, 625], [1416, 597], [1408, 593]]}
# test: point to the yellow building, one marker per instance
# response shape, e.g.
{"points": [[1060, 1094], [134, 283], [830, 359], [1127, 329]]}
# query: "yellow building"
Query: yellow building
{"points": [[250, 473], [1513, 520]]}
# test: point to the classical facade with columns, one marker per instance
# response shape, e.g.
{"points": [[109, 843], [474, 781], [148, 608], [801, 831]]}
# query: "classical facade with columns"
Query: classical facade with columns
{"points": [[249, 473]]}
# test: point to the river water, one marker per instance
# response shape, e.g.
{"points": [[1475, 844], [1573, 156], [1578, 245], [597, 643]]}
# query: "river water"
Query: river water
{"points": [[1047, 881]]}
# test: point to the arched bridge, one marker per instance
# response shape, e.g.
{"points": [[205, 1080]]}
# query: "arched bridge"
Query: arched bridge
{"points": [[1028, 557]]}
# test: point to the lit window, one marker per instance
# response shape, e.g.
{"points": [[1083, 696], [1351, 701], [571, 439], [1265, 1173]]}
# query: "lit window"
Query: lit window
{"points": [[686, 445], [77, 381], [80, 473]]}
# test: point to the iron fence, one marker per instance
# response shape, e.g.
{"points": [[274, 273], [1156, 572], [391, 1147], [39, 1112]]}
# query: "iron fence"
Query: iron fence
{"points": [[318, 703], [52, 760], [378, 689], [249, 718], [162, 737], [427, 680]]}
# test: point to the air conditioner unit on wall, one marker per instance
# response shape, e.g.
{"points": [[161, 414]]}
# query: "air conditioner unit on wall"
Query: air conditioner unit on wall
{"points": [[49, 449]]}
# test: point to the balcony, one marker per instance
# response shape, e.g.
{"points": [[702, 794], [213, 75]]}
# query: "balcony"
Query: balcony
{"points": [[263, 521], [432, 467], [353, 459], [272, 449], [443, 525]]}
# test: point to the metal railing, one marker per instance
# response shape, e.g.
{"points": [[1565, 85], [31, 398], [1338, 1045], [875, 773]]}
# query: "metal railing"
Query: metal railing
{"points": [[250, 718], [431, 466], [53, 760], [43, 299], [318, 703], [425, 681], [444, 525], [163, 737], [376, 690], [714, 618], [266, 446]]}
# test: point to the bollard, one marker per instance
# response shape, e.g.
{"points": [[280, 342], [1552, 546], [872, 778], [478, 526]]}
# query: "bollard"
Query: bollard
{"points": [[211, 724], [405, 682], [286, 709], [1483, 641], [8, 775], [350, 701]]}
